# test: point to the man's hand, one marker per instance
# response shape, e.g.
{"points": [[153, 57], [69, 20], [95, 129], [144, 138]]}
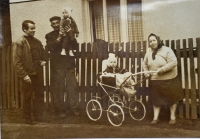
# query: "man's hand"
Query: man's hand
{"points": [[59, 38], [43, 63], [27, 79], [67, 28]]}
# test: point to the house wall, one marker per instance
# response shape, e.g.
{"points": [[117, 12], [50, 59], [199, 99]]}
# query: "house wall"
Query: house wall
{"points": [[171, 19], [40, 12]]}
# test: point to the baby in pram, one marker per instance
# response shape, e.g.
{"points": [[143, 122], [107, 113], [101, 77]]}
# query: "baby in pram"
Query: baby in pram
{"points": [[118, 78], [111, 68]]}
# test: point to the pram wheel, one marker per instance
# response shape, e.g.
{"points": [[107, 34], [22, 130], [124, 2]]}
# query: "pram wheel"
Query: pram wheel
{"points": [[115, 100], [94, 109], [115, 115], [137, 110]]}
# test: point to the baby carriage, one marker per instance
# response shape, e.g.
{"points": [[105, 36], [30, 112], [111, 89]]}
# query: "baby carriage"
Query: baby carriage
{"points": [[120, 85]]}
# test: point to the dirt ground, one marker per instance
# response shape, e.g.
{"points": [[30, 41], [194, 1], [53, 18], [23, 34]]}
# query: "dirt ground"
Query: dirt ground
{"points": [[102, 127]]}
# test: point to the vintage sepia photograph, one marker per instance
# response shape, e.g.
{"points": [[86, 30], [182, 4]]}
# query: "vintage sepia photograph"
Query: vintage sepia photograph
{"points": [[99, 69]]}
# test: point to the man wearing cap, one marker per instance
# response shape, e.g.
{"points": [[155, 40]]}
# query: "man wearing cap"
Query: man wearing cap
{"points": [[61, 66]]}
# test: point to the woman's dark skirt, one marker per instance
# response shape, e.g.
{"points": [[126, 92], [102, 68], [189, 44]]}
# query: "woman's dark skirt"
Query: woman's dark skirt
{"points": [[166, 92]]}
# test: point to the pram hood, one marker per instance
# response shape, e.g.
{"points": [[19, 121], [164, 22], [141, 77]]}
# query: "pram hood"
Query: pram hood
{"points": [[126, 84]]}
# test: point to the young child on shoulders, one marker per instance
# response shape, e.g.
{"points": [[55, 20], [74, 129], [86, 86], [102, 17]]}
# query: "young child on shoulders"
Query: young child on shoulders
{"points": [[68, 31]]}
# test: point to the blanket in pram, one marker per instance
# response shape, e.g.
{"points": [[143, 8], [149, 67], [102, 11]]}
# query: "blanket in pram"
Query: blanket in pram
{"points": [[125, 83]]}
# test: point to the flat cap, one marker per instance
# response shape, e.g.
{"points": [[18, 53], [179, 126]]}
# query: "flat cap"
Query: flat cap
{"points": [[54, 18]]}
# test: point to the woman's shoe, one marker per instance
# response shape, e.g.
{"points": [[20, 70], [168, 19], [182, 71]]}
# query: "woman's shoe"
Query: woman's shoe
{"points": [[154, 122], [172, 122]]}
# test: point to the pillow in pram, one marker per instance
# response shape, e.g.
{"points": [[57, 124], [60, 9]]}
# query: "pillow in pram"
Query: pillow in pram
{"points": [[125, 83]]}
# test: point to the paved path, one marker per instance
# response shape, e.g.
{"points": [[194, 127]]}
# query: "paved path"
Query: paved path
{"points": [[48, 130]]}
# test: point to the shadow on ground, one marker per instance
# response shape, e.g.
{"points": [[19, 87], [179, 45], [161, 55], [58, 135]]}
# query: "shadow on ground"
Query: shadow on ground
{"points": [[15, 116]]}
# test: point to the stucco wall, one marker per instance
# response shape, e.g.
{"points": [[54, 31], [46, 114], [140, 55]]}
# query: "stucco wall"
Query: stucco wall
{"points": [[40, 12], [171, 19]]}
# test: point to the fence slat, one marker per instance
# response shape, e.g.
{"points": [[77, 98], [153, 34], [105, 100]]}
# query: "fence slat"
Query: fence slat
{"points": [[187, 105], [198, 69], [12, 81], [127, 55], [144, 83], [94, 52], [139, 67], [82, 87], [178, 54], [4, 100], [133, 57], [167, 43], [47, 89], [193, 85], [88, 72], [8, 94], [1, 74], [16, 93]]}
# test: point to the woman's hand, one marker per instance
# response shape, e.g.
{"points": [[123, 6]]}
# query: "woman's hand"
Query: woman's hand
{"points": [[148, 75], [159, 71]]}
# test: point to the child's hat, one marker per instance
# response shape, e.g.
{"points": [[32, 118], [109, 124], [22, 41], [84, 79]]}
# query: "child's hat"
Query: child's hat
{"points": [[111, 55], [67, 9]]}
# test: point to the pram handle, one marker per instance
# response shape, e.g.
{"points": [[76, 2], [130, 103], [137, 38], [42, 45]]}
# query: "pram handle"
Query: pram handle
{"points": [[145, 72]]}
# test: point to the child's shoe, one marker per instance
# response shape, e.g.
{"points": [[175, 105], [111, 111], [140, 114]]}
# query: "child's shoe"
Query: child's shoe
{"points": [[71, 53], [63, 52]]}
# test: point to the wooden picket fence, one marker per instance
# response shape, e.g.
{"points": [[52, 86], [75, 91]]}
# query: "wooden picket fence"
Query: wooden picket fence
{"points": [[89, 63]]}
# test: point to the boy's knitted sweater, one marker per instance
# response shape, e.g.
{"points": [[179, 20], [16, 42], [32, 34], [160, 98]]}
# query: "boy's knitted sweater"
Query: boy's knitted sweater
{"points": [[165, 59]]}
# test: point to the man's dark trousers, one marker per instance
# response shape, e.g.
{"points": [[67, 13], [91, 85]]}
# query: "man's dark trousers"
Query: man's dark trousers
{"points": [[36, 87]]}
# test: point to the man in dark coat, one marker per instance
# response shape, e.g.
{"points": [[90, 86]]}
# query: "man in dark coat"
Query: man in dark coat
{"points": [[62, 66]]}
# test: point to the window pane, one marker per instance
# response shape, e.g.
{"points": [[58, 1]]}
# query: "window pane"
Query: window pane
{"points": [[113, 18], [134, 13], [98, 20]]}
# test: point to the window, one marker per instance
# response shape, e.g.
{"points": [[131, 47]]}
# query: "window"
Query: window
{"points": [[116, 20]]}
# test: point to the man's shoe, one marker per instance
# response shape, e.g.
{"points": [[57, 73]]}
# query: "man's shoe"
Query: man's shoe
{"points": [[62, 115], [75, 112]]}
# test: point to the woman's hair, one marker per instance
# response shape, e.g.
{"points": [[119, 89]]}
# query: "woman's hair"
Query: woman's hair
{"points": [[160, 44]]}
